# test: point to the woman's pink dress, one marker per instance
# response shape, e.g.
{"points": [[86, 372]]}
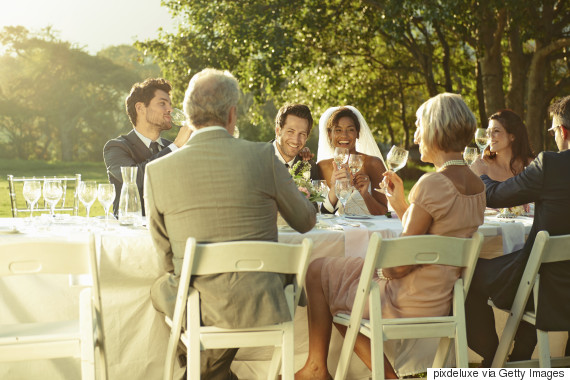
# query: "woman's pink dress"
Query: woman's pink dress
{"points": [[426, 291]]}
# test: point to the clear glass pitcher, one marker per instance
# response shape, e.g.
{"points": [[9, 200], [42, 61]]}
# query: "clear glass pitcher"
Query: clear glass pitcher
{"points": [[130, 210]]}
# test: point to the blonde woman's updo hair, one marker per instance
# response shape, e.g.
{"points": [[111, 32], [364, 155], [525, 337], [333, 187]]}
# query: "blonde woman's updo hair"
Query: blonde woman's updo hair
{"points": [[446, 123]]}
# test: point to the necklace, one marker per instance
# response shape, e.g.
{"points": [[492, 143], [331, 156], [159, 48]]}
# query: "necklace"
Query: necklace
{"points": [[452, 163]]}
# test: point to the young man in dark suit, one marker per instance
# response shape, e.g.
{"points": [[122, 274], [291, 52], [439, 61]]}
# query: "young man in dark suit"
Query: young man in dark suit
{"points": [[293, 125], [149, 107], [546, 182]]}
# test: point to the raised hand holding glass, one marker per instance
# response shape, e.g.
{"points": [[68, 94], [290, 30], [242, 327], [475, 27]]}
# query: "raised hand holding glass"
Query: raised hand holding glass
{"points": [[481, 139], [395, 160], [355, 162]]}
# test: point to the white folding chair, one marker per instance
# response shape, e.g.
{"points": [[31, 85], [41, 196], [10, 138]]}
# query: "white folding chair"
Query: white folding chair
{"points": [[546, 249], [81, 338], [238, 256], [388, 253], [15, 185]]}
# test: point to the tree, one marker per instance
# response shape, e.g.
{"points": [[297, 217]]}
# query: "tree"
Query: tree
{"points": [[69, 100]]}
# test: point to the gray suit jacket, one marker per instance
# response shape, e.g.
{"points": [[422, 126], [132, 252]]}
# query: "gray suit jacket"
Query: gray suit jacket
{"points": [[218, 188], [129, 150]]}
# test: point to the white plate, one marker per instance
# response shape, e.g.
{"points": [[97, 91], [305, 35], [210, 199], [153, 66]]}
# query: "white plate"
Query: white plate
{"points": [[326, 216], [357, 217]]}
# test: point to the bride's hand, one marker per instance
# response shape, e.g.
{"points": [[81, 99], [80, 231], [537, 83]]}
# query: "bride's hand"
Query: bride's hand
{"points": [[361, 182], [341, 173]]}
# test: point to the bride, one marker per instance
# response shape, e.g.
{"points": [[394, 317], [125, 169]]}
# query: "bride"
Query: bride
{"points": [[345, 127]]}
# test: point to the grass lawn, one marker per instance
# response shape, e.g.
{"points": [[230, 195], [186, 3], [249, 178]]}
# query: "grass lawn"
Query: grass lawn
{"points": [[90, 171]]}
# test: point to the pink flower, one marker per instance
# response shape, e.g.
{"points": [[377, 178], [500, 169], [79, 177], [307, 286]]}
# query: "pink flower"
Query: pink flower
{"points": [[304, 190]]}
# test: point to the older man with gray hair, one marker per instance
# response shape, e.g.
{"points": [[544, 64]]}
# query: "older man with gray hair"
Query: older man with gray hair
{"points": [[218, 188]]}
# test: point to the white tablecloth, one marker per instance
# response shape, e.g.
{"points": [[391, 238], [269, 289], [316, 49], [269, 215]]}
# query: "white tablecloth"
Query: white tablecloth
{"points": [[136, 335]]}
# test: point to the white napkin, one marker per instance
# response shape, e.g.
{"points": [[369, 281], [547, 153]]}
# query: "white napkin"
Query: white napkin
{"points": [[355, 241], [513, 236]]}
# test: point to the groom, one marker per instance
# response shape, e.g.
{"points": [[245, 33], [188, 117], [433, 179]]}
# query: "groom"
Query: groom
{"points": [[293, 125]]}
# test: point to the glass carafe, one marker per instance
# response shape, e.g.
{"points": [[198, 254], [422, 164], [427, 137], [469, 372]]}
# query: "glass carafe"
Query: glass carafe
{"points": [[130, 211]]}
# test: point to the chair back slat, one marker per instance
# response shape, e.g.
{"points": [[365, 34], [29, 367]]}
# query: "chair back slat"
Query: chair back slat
{"points": [[44, 257], [247, 256], [557, 248]]}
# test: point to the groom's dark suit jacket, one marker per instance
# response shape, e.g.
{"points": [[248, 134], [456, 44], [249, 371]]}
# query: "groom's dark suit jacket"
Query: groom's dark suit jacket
{"points": [[546, 182], [129, 150]]}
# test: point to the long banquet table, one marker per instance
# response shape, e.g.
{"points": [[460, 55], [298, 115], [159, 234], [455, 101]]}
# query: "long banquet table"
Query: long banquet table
{"points": [[136, 335]]}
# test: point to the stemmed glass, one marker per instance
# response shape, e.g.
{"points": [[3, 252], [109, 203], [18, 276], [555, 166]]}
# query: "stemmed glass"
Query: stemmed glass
{"points": [[343, 189], [395, 160], [177, 117], [470, 154], [355, 162], [52, 193], [340, 156], [32, 192], [322, 189], [106, 195], [481, 139], [87, 193]]}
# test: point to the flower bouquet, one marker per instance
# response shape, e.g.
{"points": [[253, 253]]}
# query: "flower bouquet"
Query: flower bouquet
{"points": [[301, 173]]}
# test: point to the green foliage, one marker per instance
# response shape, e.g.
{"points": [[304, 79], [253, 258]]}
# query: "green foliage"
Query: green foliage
{"points": [[57, 102]]}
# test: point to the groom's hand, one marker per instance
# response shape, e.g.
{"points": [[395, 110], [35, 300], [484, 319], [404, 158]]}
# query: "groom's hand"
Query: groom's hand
{"points": [[306, 154]]}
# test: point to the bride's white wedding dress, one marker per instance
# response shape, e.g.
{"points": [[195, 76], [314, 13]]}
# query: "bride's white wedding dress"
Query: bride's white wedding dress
{"points": [[364, 144]]}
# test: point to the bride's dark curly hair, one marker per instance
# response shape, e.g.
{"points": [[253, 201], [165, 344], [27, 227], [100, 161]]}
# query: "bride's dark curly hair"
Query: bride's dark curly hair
{"points": [[513, 124]]}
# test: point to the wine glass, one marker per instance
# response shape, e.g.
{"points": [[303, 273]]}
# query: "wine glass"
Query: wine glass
{"points": [[106, 195], [340, 156], [322, 189], [355, 162], [52, 193], [470, 154], [481, 139], [87, 193], [343, 189], [32, 192], [177, 117], [395, 160]]}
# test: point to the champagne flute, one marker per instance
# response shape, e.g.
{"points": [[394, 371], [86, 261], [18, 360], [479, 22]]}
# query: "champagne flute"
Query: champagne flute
{"points": [[470, 154], [177, 117], [106, 195], [481, 139], [343, 189], [340, 156], [87, 193], [52, 193], [32, 192], [355, 162]]}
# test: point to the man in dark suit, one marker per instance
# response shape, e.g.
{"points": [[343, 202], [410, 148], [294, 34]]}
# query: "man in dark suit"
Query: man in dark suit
{"points": [[149, 107], [546, 182], [293, 125]]}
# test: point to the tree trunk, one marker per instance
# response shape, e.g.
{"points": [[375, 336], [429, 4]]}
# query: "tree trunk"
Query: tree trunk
{"points": [[537, 102], [518, 70], [490, 35], [480, 96], [403, 113], [446, 58]]}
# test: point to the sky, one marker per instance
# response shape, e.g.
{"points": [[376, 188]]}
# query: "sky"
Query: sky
{"points": [[93, 24]]}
